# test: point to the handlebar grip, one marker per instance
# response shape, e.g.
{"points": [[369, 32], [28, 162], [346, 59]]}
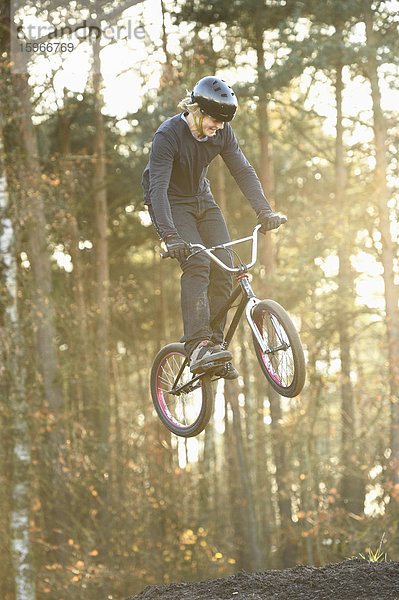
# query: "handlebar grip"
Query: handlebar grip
{"points": [[167, 255]]}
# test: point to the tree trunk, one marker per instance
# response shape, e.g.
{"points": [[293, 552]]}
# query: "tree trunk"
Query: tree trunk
{"points": [[169, 78], [256, 555], [32, 213], [266, 175], [34, 222], [264, 455], [21, 457], [268, 259], [352, 492], [80, 341], [388, 253], [102, 265], [101, 404]]}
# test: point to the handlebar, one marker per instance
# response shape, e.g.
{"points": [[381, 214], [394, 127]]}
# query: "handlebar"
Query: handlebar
{"points": [[209, 251]]}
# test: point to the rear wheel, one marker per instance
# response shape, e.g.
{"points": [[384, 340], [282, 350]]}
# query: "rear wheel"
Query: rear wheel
{"points": [[184, 403], [283, 363]]}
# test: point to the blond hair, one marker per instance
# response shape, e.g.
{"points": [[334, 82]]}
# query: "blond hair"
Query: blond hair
{"points": [[186, 104]]}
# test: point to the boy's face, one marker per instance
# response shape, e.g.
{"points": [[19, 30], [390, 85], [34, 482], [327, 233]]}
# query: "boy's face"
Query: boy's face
{"points": [[211, 125]]}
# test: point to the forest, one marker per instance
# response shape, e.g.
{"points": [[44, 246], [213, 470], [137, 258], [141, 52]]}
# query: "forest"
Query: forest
{"points": [[98, 499]]}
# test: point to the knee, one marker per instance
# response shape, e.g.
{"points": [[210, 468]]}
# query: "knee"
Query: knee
{"points": [[226, 256]]}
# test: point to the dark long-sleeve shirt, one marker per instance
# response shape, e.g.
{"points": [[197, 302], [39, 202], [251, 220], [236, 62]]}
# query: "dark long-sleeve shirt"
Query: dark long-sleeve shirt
{"points": [[178, 164]]}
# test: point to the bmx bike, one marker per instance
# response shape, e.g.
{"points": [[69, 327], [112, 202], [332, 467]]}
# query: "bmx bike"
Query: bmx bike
{"points": [[183, 400]]}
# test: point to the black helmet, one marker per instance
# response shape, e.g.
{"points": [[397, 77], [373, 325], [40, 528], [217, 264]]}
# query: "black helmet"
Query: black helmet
{"points": [[215, 98]]}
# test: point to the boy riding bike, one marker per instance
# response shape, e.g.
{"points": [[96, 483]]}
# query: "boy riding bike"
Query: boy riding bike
{"points": [[183, 210]]}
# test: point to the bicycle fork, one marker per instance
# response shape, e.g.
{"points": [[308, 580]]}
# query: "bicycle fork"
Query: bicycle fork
{"points": [[250, 305], [252, 301]]}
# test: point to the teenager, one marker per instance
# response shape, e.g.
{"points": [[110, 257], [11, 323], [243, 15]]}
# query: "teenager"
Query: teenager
{"points": [[183, 209]]}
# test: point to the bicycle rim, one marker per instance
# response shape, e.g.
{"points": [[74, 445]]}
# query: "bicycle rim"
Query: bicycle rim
{"points": [[283, 362], [184, 407]]}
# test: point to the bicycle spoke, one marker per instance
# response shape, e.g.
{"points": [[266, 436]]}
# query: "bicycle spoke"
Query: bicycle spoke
{"points": [[166, 380], [167, 377], [180, 402], [170, 371], [278, 359]]}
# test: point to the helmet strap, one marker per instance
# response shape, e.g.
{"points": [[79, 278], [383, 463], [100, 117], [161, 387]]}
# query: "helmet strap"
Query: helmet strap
{"points": [[199, 125]]}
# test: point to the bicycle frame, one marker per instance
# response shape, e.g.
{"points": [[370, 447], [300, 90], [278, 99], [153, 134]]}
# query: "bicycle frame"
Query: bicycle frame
{"points": [[247, 302], [249, 299]]}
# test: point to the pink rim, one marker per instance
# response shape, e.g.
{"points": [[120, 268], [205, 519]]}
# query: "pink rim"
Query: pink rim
{"points": [[160, 393]]}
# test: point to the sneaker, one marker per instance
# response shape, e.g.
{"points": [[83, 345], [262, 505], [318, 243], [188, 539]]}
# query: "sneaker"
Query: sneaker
{"points": [[228, 371], [205, 354]]}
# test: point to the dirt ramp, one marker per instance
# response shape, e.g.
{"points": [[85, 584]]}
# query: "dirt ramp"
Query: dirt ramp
{"points": [[355, 579]]}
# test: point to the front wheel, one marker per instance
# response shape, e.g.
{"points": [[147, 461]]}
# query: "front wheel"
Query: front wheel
{"points": [[184, 402], [283, 361]]}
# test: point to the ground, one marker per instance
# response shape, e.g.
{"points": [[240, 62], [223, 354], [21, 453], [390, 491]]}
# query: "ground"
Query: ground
{"points": [[355, 579]]}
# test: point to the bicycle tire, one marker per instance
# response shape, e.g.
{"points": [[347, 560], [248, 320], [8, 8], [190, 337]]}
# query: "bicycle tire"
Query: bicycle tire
{"points": [[186, 414], [284, 366]]}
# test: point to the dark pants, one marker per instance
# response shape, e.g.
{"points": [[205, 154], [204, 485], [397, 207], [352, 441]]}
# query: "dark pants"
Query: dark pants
{"points": [[205, 286]]}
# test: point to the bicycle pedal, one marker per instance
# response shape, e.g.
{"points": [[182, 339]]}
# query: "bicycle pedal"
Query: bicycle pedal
{"points": [[226, 371]]}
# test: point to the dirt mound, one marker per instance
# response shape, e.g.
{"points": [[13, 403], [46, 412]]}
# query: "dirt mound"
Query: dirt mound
{"points": [[355, 579]]}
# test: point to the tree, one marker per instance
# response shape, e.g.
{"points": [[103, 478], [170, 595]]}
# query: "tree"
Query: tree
{"points": [[388, 252], [12, 350], [22, 161]]}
